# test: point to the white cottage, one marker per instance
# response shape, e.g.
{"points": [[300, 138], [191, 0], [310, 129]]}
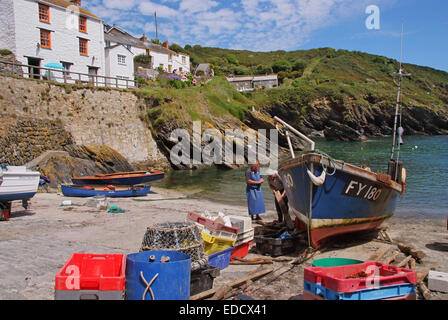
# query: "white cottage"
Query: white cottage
{"points": [[53, 31], [161, 56]]}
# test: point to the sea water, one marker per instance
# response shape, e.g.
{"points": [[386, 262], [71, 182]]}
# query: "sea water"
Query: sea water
{"points": [[424, 157]]}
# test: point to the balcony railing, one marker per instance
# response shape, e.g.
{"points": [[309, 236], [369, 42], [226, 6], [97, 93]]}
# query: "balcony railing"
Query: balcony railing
{"points": [[65, 76]]}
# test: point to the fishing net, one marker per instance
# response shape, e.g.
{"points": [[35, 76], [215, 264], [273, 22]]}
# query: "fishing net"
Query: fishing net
{"points": [[177, 236]]}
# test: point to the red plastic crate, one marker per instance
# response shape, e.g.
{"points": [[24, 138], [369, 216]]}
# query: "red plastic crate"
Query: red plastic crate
{"points": [[309, 296], [336, 278], [85, 271], [193, 216], [240, 251]]}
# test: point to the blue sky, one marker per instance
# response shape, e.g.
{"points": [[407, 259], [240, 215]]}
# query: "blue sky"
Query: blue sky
{"points": [[269, 25]]}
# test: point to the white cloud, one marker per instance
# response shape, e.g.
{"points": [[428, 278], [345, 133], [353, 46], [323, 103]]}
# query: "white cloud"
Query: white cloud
{"points": [[262, 25]]}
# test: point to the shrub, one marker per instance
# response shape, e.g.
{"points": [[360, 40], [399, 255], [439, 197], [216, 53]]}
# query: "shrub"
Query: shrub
{"points": [[281, 65], [142, 58], [262, 69], [299, 66], [5, 52], [231, 58], [177, 48]]}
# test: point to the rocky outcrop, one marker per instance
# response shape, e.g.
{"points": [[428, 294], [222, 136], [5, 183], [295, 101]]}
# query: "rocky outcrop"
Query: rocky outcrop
{"points": [[78, 161], [346, 121]]}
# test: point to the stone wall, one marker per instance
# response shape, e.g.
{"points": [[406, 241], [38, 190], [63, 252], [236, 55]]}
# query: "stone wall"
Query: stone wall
{"points": [[100, 116], [27, 139]]}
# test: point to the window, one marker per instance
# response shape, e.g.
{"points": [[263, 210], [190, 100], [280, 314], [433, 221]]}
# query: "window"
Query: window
{"points": [[45, 39], [170, 57], [83, 49], [121, 59], [44, 13], [83, 24], [184, 60]]}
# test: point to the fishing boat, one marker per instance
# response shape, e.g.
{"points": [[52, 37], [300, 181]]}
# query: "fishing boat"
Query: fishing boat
{"points": [[105, 191], [16, 183], [331, 197], [120, 178]]}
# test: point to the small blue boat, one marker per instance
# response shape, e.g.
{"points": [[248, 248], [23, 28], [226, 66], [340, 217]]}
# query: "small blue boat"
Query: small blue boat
{"points": [[120, 178], [110, 192]]}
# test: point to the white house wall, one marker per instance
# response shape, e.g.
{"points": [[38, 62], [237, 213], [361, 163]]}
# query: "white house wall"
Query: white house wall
{"points": [[64, 39], [7, 26], [116, 69]]}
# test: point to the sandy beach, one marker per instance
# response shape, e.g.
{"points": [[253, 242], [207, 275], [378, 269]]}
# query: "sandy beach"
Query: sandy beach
{"points": [[34, 244]]}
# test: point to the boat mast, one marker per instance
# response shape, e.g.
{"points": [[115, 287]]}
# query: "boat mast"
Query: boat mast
{"points": [[398, 109]]}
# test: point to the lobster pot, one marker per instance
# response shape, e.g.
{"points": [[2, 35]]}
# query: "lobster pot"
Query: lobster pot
{"points": [[177, 236]]}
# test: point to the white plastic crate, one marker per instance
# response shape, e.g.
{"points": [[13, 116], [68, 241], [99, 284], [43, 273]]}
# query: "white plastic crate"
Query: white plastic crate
{"points": [[243, 223], [245, 237], [218, 233]]}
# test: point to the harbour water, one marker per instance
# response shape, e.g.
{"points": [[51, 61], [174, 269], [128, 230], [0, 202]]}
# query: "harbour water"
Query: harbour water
{"points": [[425, 159]]}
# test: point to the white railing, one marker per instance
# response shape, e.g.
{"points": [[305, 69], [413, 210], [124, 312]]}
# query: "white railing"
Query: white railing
{"points": [[66, 76]]}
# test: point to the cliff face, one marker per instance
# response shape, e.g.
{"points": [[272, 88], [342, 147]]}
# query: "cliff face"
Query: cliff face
{"points": [[346, 121]]}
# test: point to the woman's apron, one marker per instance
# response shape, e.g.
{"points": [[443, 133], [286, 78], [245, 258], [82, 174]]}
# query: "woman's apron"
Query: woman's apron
{"points": [[254, 194]]}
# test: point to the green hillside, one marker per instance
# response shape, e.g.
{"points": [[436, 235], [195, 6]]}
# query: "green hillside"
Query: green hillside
{"points": [[336, 73]]}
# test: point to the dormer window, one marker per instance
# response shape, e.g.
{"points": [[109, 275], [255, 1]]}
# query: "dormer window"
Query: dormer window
{"points": [[82, 24], [44, 13]]}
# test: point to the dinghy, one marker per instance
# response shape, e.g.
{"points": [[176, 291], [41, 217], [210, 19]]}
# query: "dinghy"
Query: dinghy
{"points": [[120, 178], [106, 191]]}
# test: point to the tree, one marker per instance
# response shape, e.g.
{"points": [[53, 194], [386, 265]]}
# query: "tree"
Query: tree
{"points": [[262, 69], [231, 58], [177, 48], [299, 65], [281, 65], [188, 47]]}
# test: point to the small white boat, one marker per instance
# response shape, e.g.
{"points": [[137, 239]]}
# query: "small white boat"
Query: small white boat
{"points": [[17, 183]]}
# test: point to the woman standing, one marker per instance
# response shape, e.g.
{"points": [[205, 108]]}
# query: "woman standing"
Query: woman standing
{"points": [[254, 194]]}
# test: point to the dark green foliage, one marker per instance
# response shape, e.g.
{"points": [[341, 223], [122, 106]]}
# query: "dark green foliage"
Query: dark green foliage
{"points": [[5, 52], [231, 58], [177, 48], [142, 58], [281, 65]]}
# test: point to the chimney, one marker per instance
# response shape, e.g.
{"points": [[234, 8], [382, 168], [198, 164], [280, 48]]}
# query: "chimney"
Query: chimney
{"points": [[76, 2], [144, 39], [165, 44]]}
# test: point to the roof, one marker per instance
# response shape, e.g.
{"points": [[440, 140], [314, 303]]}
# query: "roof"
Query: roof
{"points": [[203, 67], [252, 78], [66, 4], [118, 35], [119, 45]]}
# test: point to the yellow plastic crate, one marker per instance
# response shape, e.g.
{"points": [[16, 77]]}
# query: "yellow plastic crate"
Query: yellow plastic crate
{"points": [[215, 244]]}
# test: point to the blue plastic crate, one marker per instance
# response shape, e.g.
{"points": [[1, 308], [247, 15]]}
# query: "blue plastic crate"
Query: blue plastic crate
{"points": [[385, 292], [220, 259]]}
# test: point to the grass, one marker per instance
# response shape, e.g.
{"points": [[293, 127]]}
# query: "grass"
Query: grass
{"points": [[181, 107]]}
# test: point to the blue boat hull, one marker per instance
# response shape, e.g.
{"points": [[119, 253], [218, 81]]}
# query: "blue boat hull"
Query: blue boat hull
{"points": [[84, 193], [16, 196], [353, 199]]}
